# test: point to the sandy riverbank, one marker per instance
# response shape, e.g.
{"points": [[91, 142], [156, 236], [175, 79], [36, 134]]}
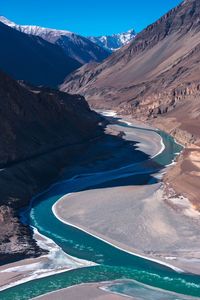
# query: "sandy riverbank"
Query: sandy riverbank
{"points": [[83, 292], [150, 143]]}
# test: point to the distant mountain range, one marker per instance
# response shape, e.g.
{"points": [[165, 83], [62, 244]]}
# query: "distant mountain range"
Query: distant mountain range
{"points": [[115, 41], [51, 54], [31, 58], [75, 46], [43, 56]]}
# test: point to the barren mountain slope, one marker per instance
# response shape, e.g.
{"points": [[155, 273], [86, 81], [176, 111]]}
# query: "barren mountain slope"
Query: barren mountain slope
{"points": [[33, 122], [153, 75], [75, 46], [33, 59], [156, 77]]}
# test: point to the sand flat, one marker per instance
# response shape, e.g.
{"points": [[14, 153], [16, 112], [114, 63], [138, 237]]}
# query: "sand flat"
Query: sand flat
{"points": [[148, 142], [148, 225], [113, 290], [82, 292]]}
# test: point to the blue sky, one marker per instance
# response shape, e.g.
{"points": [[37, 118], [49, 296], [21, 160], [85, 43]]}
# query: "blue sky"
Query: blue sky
{"points": [[87, 17]]}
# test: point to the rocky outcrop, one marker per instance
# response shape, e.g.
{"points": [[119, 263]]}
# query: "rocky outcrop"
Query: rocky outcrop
{"points": [[15, 239]]}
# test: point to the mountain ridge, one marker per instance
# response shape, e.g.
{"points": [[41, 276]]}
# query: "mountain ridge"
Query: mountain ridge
{"points": [[152, 75], [33, 59], [75, 46], [115, 41]]}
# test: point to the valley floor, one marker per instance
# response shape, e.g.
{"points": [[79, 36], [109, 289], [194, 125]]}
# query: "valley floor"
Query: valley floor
{"points": [[138, 219]]}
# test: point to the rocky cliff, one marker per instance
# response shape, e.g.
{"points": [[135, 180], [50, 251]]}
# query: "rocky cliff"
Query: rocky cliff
{"points": [[42, 131]]}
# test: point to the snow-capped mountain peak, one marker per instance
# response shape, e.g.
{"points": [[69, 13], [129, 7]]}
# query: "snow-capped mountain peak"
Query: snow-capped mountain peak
{"points": [[115, 41], [35, 30], [75, 46], [6, 21]]}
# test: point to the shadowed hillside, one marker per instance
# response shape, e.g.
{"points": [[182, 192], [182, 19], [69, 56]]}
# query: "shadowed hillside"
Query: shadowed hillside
{"points": [[33, 59]]}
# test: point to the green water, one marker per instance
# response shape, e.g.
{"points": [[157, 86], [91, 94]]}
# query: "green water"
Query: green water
{"points": [[97, 274], [113, 263]]}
